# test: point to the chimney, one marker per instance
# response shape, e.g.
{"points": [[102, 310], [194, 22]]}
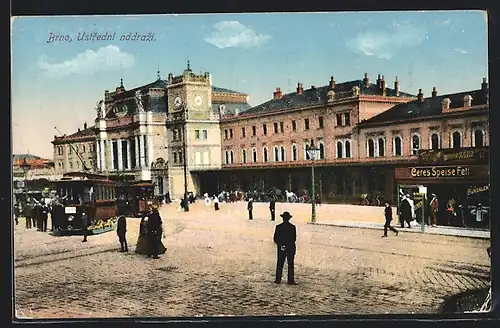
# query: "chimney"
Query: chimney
{"points": [[278, 94], [379, 80], [484, 85], [300, 90], [383, 86], [434, 92], [332, 83], [85, 125], [420, 95], [396, 86], [366, 80]]}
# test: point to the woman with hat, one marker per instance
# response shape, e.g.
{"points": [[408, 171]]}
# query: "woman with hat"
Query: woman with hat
{"points": [[285, 236]]}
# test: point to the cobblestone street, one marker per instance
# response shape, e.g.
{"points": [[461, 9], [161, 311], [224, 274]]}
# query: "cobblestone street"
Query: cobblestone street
{"points": [[220, 263]]}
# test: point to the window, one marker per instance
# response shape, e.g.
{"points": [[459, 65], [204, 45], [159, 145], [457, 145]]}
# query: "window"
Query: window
{"points": [[225, 134], [456, 140], [174, 135], [227, 157], [231, 133], [398, 151], [347, 149], [265, 154], [254, 131], [83, 148], [282, 127], [244, 156], [275, 127], [306, 124], [347, 118], [294, 152], [175, 157], [254, 155], [283, 154], [339, 119], [264, 129], [276, 154], [371, 148], [231, 155], [434, 141], [339, 149], [415, 144], [197, 134], [197, 158], [243, 132], [478, 138], [381, 147], [320, 122], [205, 134], [70, 165], [306, 155], [206, 157], [321, 150], [294, 125]]}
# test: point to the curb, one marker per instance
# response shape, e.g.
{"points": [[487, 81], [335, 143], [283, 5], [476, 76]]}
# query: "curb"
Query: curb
{"points": [[412, 230]]}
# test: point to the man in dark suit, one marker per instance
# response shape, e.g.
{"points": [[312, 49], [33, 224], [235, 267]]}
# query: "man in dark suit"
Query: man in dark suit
{"points": [[405, 212], [250, 209], [272, 208], [388, 219], [285, 236], [121, 231], [154, 231]]}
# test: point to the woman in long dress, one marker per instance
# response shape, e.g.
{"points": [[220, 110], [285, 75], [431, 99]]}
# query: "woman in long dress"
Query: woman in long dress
{"points": [[142, 241]]}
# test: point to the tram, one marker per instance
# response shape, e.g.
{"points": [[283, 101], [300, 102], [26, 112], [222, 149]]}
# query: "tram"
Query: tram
{"points": [[86, 194], [135, 198]]}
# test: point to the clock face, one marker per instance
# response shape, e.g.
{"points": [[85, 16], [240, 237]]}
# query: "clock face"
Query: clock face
{"points": [[177, 101], [122, 111], [198, 100]]}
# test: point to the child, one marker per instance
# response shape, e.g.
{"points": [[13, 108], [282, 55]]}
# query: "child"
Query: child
{"points": [[121, 231]]}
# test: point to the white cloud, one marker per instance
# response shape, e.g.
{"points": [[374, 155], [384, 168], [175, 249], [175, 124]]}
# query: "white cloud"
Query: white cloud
{"points": [[107, 58], [461, 51], [387, 43], [234, 34]]}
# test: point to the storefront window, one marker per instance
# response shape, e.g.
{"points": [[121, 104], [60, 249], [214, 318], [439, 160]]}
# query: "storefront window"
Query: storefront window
{"points": [[478, 138], [434, 141], [456, 140]]}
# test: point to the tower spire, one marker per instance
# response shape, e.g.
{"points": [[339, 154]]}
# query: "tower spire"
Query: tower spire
{"points": [[189, 64], [121, 74], [158, 72]]}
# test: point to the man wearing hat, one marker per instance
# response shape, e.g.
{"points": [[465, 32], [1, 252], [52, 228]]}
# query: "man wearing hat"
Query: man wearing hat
{"points": [[154, 231], [250, 209], [285, 236]]}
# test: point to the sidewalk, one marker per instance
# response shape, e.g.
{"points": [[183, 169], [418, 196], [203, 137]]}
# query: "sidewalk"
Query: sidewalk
{"points": [[439, 230]]}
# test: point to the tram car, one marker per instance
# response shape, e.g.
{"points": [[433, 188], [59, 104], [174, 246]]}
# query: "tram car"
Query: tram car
{"points": [[85, 194], [135, 198]]}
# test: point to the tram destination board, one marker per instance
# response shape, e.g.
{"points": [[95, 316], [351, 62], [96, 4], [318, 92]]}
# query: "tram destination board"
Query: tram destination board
{"points": [[454, 156]]}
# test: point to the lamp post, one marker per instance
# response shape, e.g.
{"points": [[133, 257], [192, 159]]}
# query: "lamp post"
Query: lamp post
{"points": [[184, 146], [312, 152], [25, 167]]}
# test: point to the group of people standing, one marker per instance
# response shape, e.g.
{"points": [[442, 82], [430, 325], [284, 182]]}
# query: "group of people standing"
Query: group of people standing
{"points": [[36, 213]]}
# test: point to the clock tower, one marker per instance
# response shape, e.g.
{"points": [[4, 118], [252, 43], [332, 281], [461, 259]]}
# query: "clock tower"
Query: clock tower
{"points": [[193, 132]]}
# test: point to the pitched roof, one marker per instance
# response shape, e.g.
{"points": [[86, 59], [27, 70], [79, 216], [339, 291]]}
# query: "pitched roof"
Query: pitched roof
{"points": [[428, 107], [318, 95], [230, 108], [223, 90], [88, 132]]}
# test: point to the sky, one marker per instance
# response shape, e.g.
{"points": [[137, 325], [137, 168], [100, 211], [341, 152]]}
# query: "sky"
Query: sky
{"points": [[57, 77]]}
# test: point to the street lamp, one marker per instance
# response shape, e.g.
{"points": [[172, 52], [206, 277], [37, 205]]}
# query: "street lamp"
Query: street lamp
{"points": [[312, 151], [25, 167], [184, 146]]}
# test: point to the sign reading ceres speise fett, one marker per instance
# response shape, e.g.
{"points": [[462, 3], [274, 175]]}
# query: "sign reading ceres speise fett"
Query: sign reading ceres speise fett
{"points": [[440, 172]]}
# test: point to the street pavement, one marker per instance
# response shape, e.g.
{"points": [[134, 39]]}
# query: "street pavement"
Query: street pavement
{"points": [[220, 263]]}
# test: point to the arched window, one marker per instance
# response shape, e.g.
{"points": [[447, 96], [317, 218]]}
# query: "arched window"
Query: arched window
{"points": [[321, 150], [276, 154], [227, 157], [254, 155], [265, 154], [415, 144], [244, 156], [398, 149], [231, 154], [371, 148], [339, 149], [381, 147], [478, 138], [456, 140], [283, 154], [294, 152], [434, 141], [347, 145]]}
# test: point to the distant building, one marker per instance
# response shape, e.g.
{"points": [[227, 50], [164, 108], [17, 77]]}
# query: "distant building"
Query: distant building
{"points": [[40, 168]]}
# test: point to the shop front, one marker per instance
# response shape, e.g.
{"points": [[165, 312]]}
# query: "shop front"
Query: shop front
{"points": [[459, 179]]}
